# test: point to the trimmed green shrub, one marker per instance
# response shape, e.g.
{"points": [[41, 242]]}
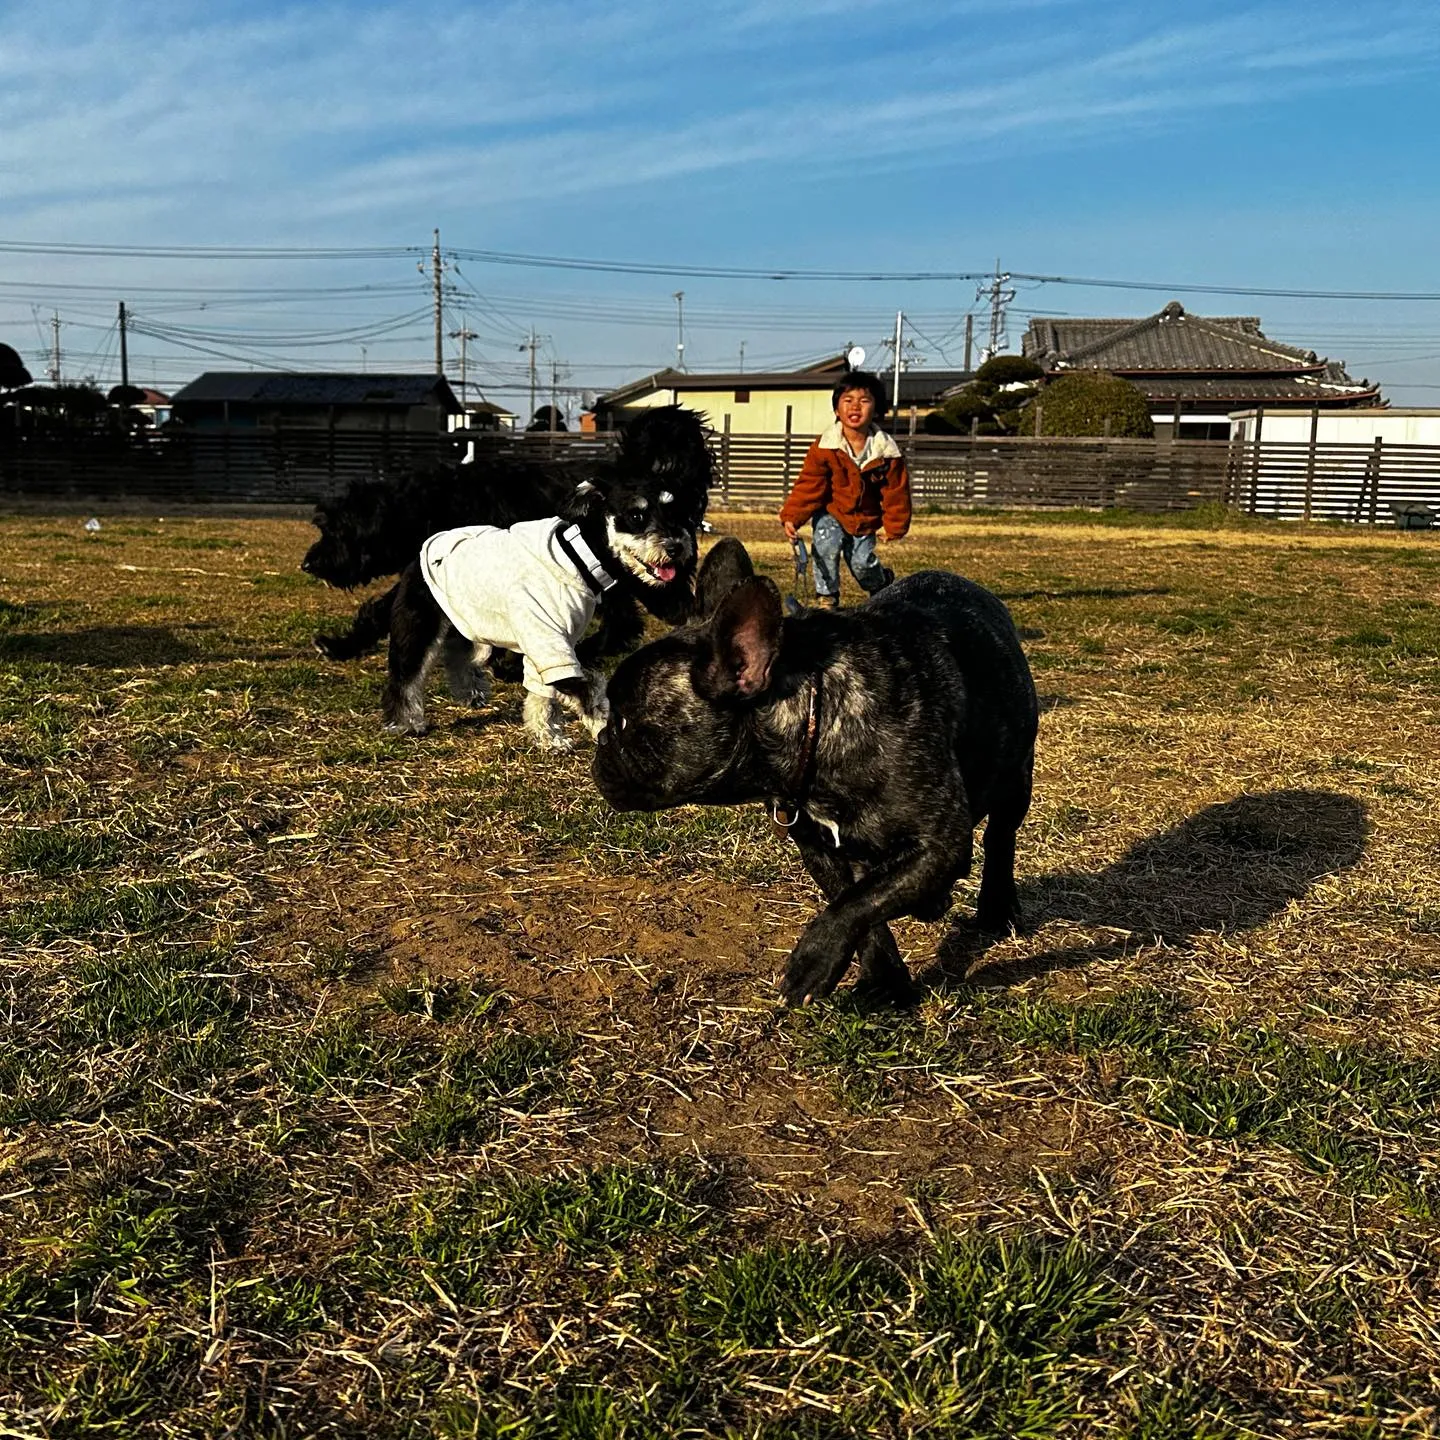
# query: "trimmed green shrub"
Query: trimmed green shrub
{"points": [[1081, 401]]}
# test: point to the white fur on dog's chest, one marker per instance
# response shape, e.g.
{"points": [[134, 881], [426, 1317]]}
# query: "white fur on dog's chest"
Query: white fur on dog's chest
{"points": [[827, 824]]}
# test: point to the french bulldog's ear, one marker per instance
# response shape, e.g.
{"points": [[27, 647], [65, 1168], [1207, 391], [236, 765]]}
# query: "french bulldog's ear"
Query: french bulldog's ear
{"points": [[727, 565], [745, 638]]}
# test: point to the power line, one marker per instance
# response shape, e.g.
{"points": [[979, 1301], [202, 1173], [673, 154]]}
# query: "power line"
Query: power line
{"points": [[714, 272]]}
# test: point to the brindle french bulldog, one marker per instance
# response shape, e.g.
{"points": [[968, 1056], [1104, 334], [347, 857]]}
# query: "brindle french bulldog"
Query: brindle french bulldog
{"points": [[880, 737]]}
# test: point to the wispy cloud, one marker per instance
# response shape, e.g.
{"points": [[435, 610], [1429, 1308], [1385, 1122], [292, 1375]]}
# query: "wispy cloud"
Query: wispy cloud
{"points": [[339, 110]]}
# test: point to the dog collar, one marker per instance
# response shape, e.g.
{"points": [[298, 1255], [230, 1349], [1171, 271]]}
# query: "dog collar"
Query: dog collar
{"points": [[584, 559], [786, 811]]}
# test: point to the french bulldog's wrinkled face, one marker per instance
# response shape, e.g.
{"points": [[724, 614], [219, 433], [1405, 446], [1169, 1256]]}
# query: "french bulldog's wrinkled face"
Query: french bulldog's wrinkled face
{"points": [[679, 707]]}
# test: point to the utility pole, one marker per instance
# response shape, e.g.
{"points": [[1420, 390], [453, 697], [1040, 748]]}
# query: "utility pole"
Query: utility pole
{"points": [[55, 350], [463, 335], [124, 351], [742, 357], [899, 337], [439, 302], [969, 340], [680, 333], [530, 345], [999, 297]]}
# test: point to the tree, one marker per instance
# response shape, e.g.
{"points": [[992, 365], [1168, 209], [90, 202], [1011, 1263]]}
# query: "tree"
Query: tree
{"points": [[13, 373], [544, 416], [992, 401], [1089, 402]]}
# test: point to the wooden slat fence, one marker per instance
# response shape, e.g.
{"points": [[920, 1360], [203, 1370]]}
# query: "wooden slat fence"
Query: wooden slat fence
{"points": [[1358, 483]]}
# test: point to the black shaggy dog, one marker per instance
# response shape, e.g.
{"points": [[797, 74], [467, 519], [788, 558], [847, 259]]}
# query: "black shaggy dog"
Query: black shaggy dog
{"points": [[880, 737], [377, 528]]}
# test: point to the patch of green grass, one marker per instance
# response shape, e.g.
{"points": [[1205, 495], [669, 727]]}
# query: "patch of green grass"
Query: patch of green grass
{"points": [[439, 998], [588, 1212], [284, 1306], [788, 1295], [52, 851], [1364, 639], [90, 911], [124, 1385], [1339, 1108], [170, 992], [870, 1050], [460, 1102], [345, 1053], [1193, 622], [37, 1083]]}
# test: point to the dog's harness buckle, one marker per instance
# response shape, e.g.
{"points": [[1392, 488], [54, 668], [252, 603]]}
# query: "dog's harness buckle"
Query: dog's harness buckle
{"points": [[781, 819], [584, 559]]}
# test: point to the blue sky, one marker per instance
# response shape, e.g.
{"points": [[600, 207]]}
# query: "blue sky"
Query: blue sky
{"points": [[1272, 145]]}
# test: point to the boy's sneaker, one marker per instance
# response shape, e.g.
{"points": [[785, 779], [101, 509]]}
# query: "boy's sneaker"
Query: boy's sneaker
{"points": [[827, 602]]}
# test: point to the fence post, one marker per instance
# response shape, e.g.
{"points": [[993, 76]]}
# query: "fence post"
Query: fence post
{"points": [[1375, 477], [725, 461], [1310, 461], [1250, 508], [789, 419], [1039, 419], [970, 460], [912, 421]]}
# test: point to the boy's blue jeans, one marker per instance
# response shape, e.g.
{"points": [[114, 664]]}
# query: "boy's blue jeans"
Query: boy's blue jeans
{"points": [[830, 540]]}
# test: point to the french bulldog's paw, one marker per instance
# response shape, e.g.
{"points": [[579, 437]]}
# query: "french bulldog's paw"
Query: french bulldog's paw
{"points": [[811, 972], [1003, 918], [888, 987]]}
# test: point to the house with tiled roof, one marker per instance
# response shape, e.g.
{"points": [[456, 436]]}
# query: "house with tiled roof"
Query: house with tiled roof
{"points": [[1196, 370]]}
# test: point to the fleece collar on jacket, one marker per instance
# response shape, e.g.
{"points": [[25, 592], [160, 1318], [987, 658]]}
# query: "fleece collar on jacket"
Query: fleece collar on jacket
{"points": [[880, 446]]}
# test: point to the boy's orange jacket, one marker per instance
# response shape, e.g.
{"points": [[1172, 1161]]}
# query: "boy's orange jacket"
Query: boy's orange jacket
{"points": [[830, 480]]}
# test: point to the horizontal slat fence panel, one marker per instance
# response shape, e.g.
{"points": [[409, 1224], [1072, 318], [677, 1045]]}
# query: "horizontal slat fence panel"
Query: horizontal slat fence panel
{"points": [[1358, 483]]}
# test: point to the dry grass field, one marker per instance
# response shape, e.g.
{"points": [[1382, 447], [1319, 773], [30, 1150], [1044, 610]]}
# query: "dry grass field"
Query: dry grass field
{"points": [[361, 1086]]}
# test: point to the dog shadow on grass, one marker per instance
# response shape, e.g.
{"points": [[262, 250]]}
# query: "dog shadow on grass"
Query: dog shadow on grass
{"points": [[1227, 869], [108, 647]]}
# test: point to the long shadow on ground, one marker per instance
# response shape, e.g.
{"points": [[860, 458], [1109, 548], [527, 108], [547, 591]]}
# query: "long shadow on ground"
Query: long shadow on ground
{"points": [[1229, 868], [110, 647]]}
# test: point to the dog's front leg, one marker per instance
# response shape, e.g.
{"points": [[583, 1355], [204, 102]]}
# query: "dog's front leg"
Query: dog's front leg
{"points": [[819, 959], [584, 697], [882, 972]]}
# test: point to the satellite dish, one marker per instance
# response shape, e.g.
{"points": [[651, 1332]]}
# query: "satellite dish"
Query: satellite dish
{"points": [[855, 356]]}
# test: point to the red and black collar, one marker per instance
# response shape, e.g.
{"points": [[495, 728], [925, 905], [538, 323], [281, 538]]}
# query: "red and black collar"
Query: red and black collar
{"points": [[785, 810]]}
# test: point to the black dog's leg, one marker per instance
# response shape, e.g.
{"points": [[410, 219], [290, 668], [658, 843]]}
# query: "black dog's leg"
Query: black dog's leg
{"points": [[367, 630], [998, 906], [895, 888], [465, 668], [417, 627], [883, 975]]}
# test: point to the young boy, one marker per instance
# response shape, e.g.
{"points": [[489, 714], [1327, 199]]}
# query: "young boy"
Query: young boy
{"points": [[852, 485]]}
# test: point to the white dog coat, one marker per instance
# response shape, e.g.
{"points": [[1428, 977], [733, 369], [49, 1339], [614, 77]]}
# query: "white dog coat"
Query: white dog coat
{"points": [[517, 589]]}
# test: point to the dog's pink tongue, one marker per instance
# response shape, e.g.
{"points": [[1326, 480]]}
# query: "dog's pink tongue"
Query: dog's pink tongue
{"points": [[665, 573]]}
